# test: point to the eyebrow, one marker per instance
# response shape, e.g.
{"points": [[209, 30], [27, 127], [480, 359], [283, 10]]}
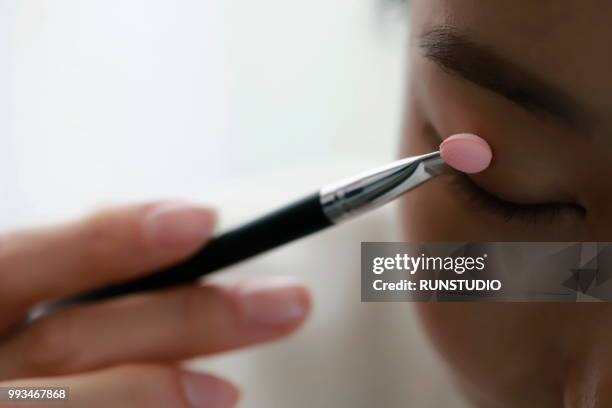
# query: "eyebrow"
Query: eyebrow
{"points": [[457, 54]]}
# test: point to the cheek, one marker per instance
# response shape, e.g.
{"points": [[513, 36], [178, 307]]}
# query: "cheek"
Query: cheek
{"points": [[470, 337]]}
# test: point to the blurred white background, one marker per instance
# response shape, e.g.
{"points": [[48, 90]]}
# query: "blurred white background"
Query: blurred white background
{"points": [[242, 104], [114, 100]]}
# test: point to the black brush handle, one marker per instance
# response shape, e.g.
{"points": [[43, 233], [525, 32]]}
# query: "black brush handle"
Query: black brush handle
{"points": [[277, 228]]}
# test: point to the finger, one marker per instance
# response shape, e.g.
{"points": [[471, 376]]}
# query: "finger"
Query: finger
{"points": [[162, 326], [136, 386], [113, 245]]}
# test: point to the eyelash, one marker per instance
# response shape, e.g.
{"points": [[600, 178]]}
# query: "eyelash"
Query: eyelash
{"points": [[508, 211]]}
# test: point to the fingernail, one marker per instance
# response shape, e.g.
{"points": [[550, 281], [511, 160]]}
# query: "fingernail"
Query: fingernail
{"points": [[178, 224], [273, 301], [205, 391]]}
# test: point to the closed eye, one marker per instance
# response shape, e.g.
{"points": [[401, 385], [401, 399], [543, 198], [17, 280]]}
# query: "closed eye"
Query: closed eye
{"points": [[531, 213]]}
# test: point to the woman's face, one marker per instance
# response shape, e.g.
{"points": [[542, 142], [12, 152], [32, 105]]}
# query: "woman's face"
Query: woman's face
{"points": [[533, 78]]}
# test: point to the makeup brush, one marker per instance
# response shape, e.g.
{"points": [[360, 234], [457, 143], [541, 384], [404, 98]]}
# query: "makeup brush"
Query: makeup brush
{"points": [[331, 205]]}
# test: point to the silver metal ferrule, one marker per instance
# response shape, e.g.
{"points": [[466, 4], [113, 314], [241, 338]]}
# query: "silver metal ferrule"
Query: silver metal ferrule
{"points": [[377, 187]]}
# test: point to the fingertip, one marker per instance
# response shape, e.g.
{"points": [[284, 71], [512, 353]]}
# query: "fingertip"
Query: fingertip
{"points": [[178, 224], [277, 303], [207, 391]]}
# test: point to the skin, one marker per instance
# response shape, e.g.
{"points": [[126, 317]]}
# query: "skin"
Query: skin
{"points": [[519, 355], [131, 346], [503, 355]]}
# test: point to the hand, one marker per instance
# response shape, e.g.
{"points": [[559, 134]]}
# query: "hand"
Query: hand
{"points": [[124, 352]]}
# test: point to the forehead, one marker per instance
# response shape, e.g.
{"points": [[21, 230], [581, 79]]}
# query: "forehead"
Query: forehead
{"points": [[566, 42]]}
